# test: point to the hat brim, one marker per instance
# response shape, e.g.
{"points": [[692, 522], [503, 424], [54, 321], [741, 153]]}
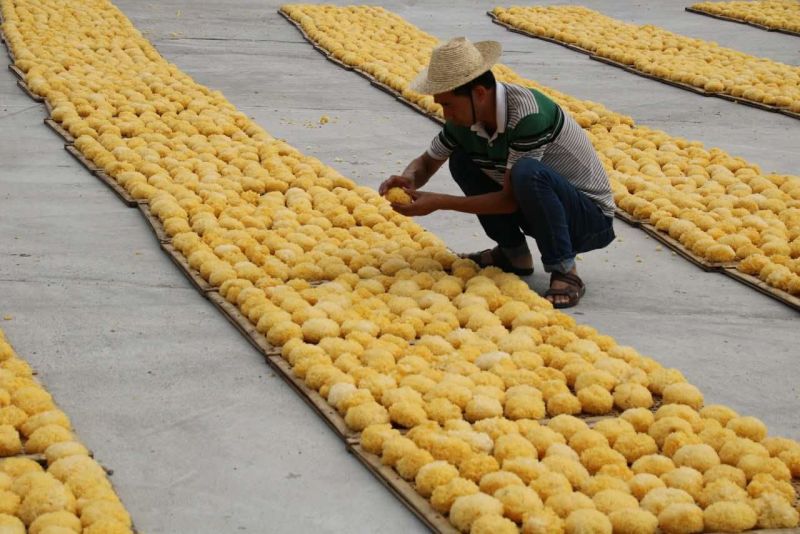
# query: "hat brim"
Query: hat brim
{"points": [[490, 51]]}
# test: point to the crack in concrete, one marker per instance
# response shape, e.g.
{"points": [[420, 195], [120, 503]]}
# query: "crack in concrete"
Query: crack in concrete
{"points": [[23, 110], [79, 280]]}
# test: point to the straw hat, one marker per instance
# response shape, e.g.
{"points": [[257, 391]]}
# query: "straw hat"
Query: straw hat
{"points": [[455, 63]]}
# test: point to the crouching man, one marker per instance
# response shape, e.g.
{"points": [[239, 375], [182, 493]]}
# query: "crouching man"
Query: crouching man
{"points": [[524, 165]]}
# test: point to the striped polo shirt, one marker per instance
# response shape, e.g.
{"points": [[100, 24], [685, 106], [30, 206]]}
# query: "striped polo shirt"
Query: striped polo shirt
{"points": [[529, 124]]}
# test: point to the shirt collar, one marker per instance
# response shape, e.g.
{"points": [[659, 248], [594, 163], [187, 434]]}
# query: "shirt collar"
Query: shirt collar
{"points": [[501, 104]]}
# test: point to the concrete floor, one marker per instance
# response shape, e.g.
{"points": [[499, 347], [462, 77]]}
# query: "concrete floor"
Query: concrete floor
{"points": [[203, 438]]}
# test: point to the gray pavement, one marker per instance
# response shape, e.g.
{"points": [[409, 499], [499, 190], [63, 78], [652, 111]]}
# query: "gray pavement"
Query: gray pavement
{"points": [[203, 438]]}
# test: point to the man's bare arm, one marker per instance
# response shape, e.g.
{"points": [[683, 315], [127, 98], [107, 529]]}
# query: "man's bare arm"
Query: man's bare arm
{"points": [[415, 175], [421, 169], [496, 202]]}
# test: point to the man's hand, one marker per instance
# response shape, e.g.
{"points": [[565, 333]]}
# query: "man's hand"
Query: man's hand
{"points": [[423, 203], [403, 182]]}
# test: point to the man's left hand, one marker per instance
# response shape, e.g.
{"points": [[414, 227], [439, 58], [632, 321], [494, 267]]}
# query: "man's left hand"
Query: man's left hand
{"points": [[423, 203]]}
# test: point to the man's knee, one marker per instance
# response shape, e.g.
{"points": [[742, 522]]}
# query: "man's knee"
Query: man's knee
{"points": [[528, 168], [528, 174]]}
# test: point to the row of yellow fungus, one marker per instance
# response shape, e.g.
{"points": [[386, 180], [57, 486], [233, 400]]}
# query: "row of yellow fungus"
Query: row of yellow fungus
{"points": [[773, 14], [663, 54], [72, 493]]}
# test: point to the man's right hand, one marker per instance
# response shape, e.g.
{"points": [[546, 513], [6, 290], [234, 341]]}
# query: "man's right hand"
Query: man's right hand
{"points": [[396, 181]]}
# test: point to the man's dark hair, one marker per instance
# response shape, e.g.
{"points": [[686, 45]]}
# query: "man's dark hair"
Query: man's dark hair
{"points": [[486, 80]]}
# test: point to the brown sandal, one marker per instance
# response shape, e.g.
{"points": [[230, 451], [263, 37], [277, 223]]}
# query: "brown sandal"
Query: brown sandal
{"points": [[498, 259], [574, 291]]}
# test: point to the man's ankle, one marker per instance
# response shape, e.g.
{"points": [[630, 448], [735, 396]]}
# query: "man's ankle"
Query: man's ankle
{"points": [[516, 253], [520, 257]]}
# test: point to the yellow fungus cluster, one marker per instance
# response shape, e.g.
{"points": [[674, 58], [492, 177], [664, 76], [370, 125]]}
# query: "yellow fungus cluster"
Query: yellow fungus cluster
{"points": [[443, 367], [29, 419], [663, 54], [637, 472], [449, 378], [721, 208], [72, 492], [774, 14], [397, 195]]}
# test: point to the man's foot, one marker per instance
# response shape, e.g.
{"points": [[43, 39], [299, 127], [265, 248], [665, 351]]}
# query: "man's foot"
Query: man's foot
{"points": [[521, 266], [566, 289]]}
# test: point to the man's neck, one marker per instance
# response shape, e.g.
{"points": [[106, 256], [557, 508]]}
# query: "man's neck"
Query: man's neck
{"points": [[488, 115]]}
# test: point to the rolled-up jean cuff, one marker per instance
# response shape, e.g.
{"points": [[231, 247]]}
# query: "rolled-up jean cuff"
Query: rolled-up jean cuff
{"points": [[564, 266]]}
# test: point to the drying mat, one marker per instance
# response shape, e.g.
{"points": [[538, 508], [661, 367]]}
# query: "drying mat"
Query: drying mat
{"points": [[22, 85], [727, 268], [514, 29], [154, 223], [243, 325], [741, 21], [684, 252], [111, 183], [68, 139], [281, 366], [638, 72], [626, 217], [404, 491], [16, 71], [759, 285], [329, 414], [194, 277], [697, 90], [3, 40], [75, 153], [62, 133], [317, 47]]}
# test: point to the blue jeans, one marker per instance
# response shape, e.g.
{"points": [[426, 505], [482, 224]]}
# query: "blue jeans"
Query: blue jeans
{"points": [[562, 220]]}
